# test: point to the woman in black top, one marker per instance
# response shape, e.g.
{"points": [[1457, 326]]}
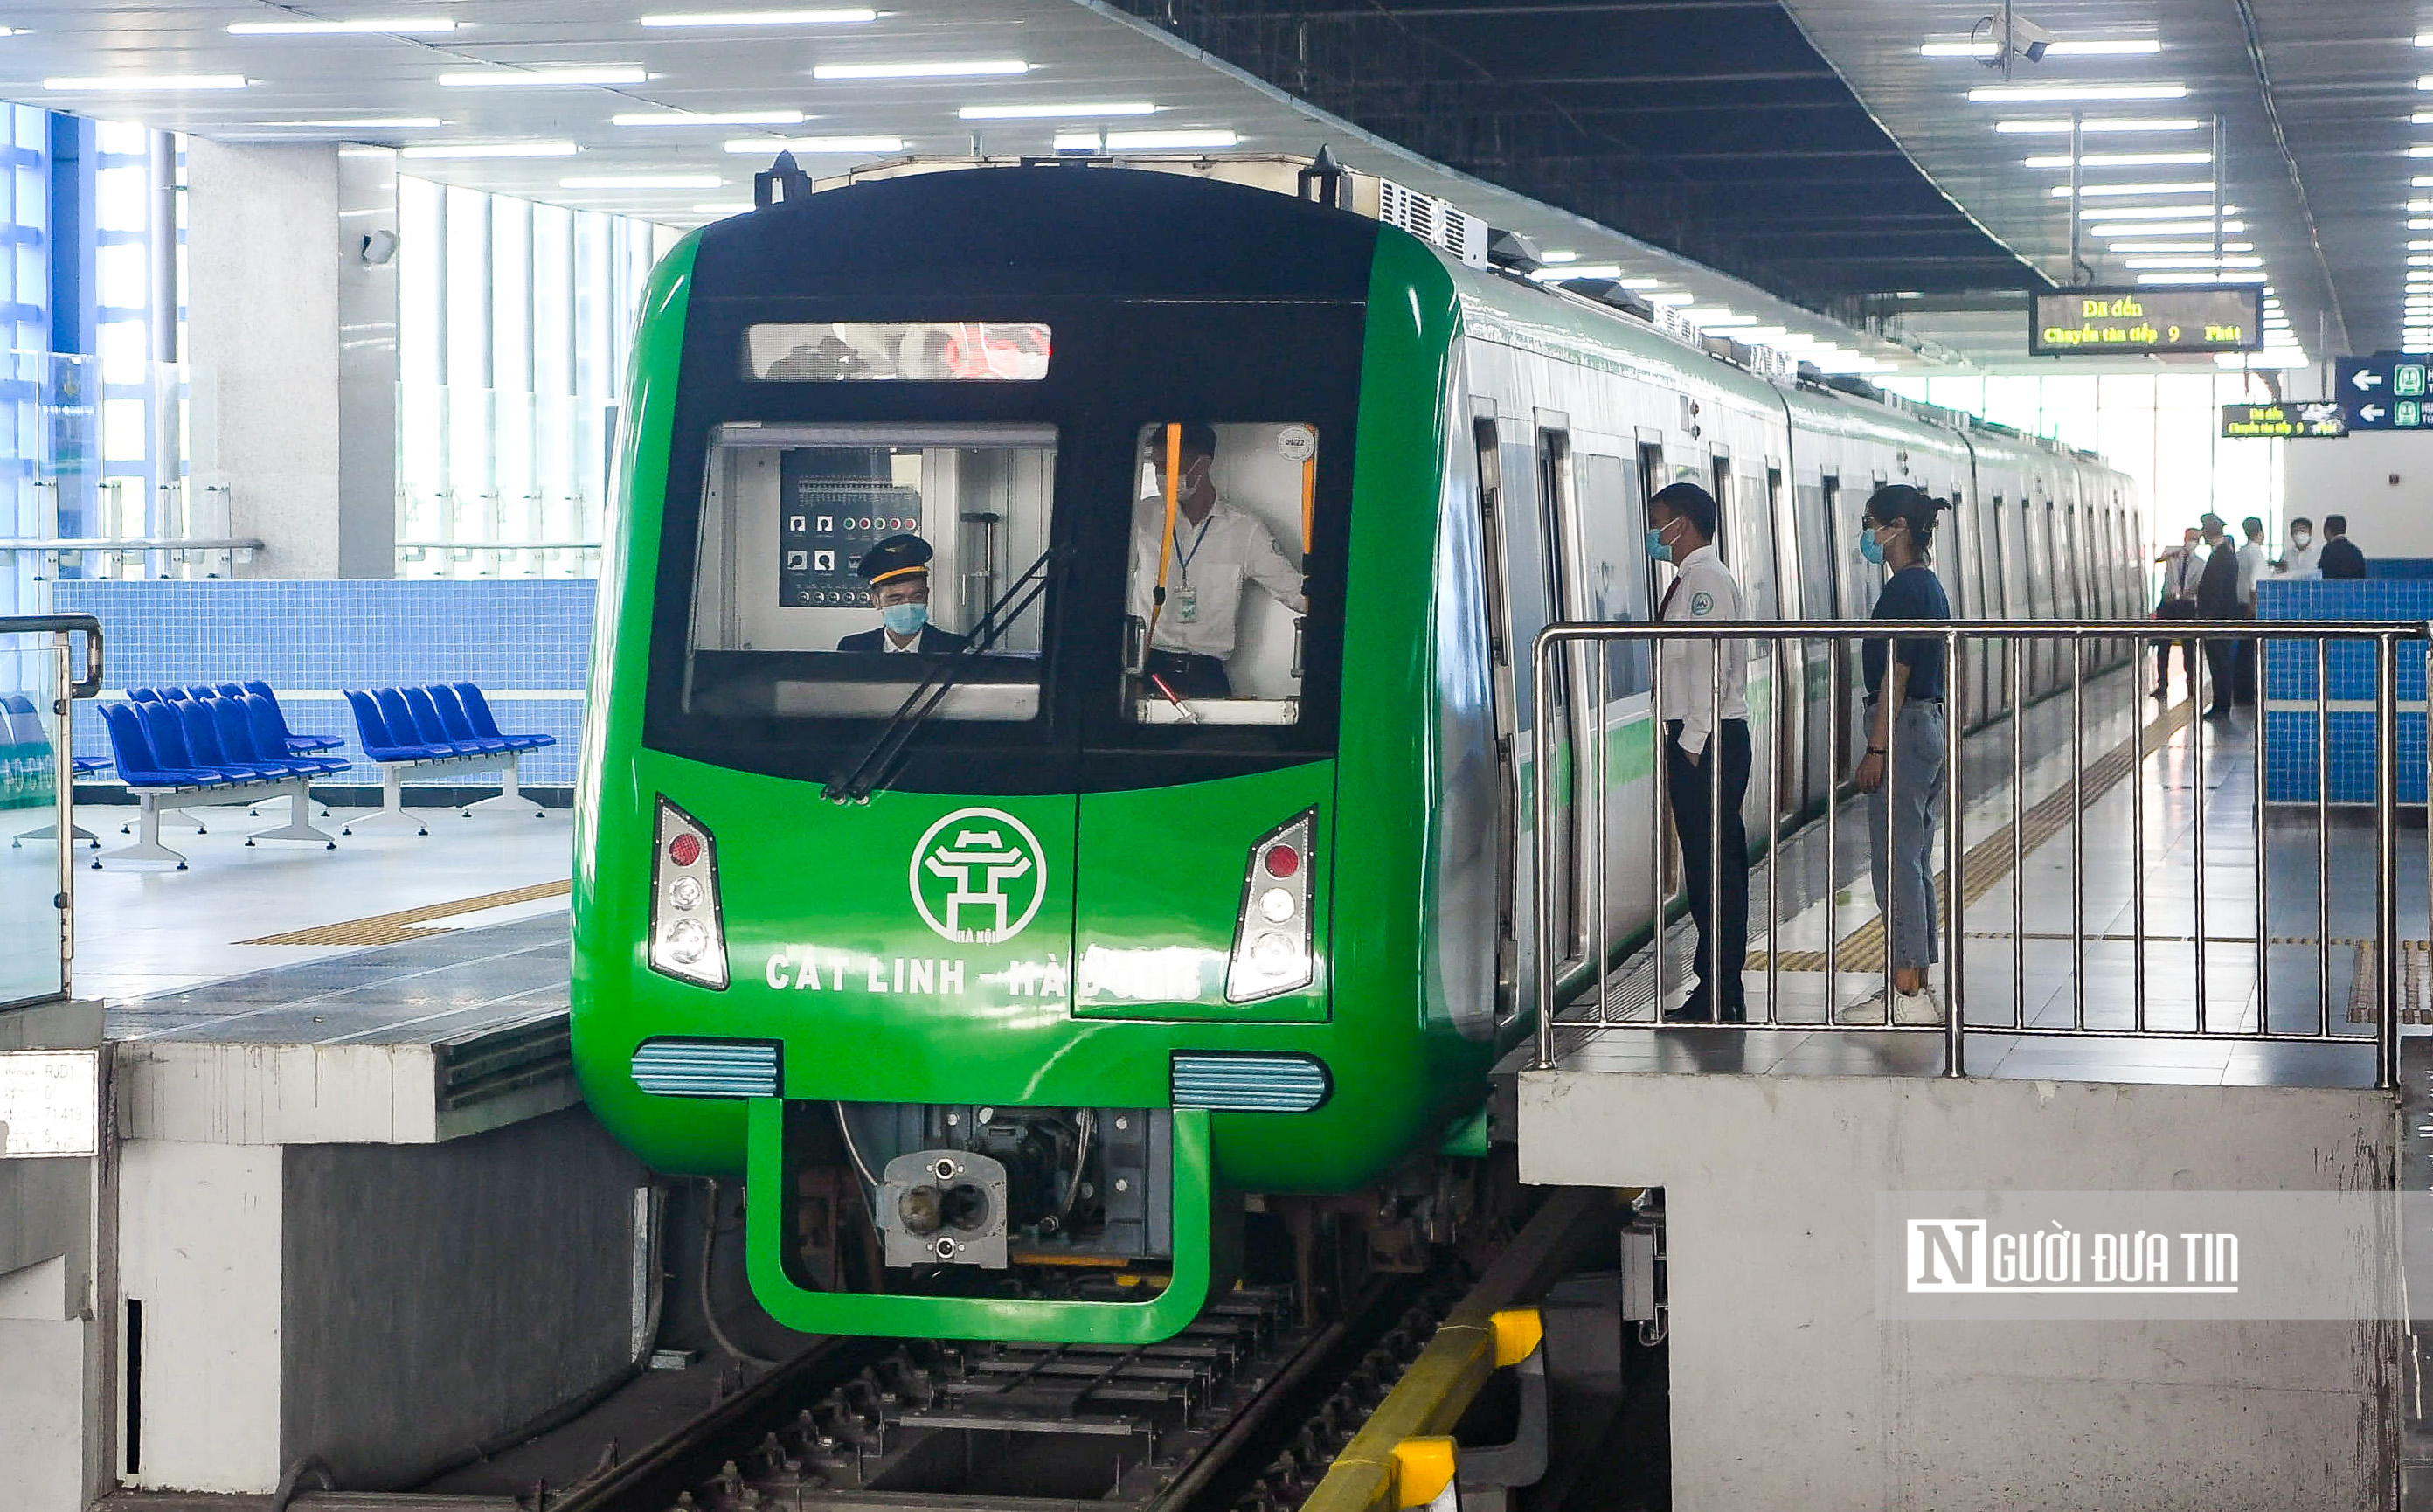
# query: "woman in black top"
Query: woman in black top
{"points": [[1902, 773]]}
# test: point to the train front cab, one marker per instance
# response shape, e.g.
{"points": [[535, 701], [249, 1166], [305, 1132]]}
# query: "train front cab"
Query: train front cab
{"points": [[1069, 975]]}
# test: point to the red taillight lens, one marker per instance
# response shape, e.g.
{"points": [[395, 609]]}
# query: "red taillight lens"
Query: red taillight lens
{"points": [[686, 849], [1282, 860]]}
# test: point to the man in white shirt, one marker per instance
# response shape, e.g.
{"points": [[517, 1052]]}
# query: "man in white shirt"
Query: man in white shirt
{"points": [[2299, 561], [2183, 565], [1706, 746], [1213, 551]]}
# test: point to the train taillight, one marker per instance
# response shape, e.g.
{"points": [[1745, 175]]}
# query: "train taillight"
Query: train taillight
{"points": [[1273, 949], [687, 931]]}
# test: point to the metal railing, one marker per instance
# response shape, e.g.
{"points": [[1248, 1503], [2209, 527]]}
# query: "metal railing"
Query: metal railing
{"points": [[66, 687], [1572, 805]]}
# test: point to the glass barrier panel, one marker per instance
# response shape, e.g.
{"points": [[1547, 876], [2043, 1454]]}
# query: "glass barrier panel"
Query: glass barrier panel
{"points": [[30, 968]]}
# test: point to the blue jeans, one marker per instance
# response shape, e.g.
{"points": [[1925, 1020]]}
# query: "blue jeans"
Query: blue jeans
{"points": [[1906, 803]]}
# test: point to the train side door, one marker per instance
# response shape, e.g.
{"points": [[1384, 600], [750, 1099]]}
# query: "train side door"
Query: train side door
{"points": [[1568, 723], [1487, 458]]}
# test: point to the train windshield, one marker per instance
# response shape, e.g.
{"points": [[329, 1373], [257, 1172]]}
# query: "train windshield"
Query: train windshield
{"points": [[1216, 591], [840, 565]]}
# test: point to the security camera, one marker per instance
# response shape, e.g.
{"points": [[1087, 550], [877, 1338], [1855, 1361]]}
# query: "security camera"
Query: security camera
{"points": [[2029, 40], [2011, 36]]}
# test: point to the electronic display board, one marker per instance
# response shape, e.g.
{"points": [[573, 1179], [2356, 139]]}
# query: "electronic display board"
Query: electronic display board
{"points": [[2304, 420], [2114, 322]]}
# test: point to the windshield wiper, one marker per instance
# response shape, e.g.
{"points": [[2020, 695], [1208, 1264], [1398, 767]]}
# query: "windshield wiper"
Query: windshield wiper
{"points": [[878, 764]]}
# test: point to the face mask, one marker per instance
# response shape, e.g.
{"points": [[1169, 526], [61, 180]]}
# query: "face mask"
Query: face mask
{"points": [[2300, 538], [1872, 549], [1655, 547], [906, 619]]}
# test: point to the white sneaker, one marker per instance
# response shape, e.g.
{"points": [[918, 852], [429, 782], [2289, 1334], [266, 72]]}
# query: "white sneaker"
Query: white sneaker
{"points": [[1917, 1008], [1867, 1011]]}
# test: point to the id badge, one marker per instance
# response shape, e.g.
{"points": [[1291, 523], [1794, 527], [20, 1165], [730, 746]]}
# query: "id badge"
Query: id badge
{"points": [[1187, 605]]}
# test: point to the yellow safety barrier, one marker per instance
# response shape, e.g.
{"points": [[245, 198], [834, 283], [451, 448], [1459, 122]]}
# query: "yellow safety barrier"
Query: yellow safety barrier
{"points": [[1481, 1335], [1422, 1469]]}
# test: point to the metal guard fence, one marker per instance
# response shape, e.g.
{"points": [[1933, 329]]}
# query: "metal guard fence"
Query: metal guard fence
{"points": [[1553, 663], [66, 687]]}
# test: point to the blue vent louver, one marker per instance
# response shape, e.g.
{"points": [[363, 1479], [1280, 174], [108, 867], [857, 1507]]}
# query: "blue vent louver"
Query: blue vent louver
{"points": [[1251, 1083], [707, 1068]]}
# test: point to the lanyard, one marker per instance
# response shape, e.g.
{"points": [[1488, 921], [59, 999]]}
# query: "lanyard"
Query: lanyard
{"points": [[1183, 557]]}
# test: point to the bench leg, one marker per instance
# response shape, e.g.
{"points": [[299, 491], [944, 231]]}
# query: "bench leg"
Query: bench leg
{"points": [[392, 803], [298, 825], [52, 832], [510, 794], [147, 847]]}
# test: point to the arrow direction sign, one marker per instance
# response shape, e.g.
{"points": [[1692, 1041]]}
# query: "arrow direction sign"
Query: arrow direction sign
{"points": [[2405, 378]]}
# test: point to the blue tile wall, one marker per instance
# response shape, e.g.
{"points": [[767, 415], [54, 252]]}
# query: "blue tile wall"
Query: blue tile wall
{"points": [[527, 644], [2351, 755], [2399, 567]]}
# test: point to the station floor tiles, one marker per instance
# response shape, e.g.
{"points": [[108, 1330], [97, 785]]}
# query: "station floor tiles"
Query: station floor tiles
{"points": [[2136, 904], [142, 932]]}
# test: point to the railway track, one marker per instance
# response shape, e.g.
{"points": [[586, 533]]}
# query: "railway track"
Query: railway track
{"points": [[1246, 1410]]}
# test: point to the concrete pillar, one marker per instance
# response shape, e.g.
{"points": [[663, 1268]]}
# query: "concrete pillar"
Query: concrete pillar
{"points": [[276, 290]]}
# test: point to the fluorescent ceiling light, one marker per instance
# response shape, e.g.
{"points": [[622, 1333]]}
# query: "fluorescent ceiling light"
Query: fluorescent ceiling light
{"points": [[2122, 160], [2420, 118], [726, 207], [1767, 334], [368, 123], [763, 18], [642, 180], [1675, 296], [2089, 47], [2179, 247], [1078, 142], [2049, 127], [2426, 82], [1155, 141], [2192, 187], [2421, 149], [2420, 223], [1563, 255], [971, 68], [115, 82], [1054, 112], [2194, 262], [547, 75], [494, 149], [761, 146], [392, 26], [2010, 94], [1567, 272], [2200, 278], [2148, 212], [709, 118], [2159, 227], [1641, 283], [1717, 316]]}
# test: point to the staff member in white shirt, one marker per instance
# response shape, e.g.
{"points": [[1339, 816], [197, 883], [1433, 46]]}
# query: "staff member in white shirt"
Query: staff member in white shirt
{"points": [[1705, 747], [2300, 560], [1214, 550]]}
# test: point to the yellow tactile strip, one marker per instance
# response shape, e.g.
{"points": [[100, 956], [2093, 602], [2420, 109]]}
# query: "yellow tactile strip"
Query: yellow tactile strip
{"points": [[2415, 984], [1988, 861], [396, 928]]}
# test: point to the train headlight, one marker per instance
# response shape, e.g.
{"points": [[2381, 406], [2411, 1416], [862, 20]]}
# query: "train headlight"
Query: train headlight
{"points": [[1271, 937], [687, 934]]}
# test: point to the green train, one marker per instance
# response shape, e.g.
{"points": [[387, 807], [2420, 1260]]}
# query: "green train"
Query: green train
{"points": [[1011, 960]]}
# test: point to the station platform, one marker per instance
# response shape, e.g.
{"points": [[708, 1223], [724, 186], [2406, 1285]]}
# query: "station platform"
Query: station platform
{"points": [[351, 1158], [1781, 1151]]}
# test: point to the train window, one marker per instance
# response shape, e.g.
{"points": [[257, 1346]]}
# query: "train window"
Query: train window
{"points": [[1221, 527], [926, 352], [840, 565], [1614, 564]]}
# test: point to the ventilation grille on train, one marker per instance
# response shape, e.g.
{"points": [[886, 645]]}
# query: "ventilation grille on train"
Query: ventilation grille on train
{"points": [[1251, 1083], [1434, 221], [707, 1068]]}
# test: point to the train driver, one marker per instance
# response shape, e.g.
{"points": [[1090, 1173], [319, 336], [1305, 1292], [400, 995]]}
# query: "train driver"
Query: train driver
{"points": [[1213, 550], [897, 570]]}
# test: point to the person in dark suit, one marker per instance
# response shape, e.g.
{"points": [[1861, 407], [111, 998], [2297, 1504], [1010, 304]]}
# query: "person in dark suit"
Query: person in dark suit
{"points": [[2340, 558], [2218, 598], [897, 570]]}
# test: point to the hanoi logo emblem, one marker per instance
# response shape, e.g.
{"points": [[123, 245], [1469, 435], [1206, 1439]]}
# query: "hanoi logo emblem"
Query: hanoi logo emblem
{"points": [[978, 875]]}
